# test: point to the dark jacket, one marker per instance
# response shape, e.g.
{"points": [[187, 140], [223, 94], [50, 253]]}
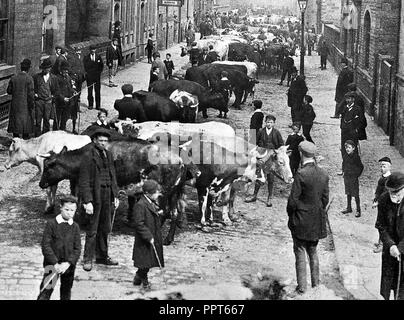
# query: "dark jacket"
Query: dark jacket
{"points": [[345, 77], [323, 50], [128, 107], [147, 225], [352, 122], [61, 243], [352, 165], [89, 181], [65, 91], [296, 92], [93, 68], [40, 82], [163, 70], [169, 66], [113, 54], [257, 120], [288, 63], [293, 142], [272, 141], [212, 56], [150, 45], [390, 223], [307, 202], [20, 119], [307, 114], [56, 66], [380, 189]]}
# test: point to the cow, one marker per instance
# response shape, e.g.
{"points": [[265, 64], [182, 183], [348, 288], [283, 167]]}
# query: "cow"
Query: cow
{"points": [[219, 46], [210, 75], [207, 98], [223, 165], [134, 162], [159, 108], [28, 151], [252, 68], [241, 52]]}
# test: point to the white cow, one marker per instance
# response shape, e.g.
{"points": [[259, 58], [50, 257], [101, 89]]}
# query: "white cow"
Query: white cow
{"points": [[219, 46], [252, 67], [184, 99], [31, 150]]}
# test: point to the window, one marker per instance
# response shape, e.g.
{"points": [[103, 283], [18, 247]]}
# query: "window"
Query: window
{"points": [[366, 39], [3, 30], [351, 41]]}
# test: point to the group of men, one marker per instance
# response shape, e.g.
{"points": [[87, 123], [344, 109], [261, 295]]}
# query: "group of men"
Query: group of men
{"points": [[54, 93]]}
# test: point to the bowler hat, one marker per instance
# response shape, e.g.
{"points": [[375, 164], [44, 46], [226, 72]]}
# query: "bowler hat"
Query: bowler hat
{"points": [[395, 182], [47, 63], [307, 148], [26, 63], [101, 132], [385, 159], [150, 186]]}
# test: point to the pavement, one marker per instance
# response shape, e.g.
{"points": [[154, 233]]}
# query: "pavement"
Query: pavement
{"points": [[258, 244]]}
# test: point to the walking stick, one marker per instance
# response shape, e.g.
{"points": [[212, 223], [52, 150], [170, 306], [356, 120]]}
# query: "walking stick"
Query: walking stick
{"points": [[399, 276], [48, 282], [161, 268]]}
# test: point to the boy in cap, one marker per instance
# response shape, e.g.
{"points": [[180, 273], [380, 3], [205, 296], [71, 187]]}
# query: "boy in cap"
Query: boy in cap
{"points": [[102, 119], [385, 169], [307, 117], [146, 217], [293, 142], [352, 168], [61, 247], [306, 210], [169, 66], [390, 224]]}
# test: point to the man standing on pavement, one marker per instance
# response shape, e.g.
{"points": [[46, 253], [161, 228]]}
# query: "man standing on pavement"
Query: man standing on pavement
{"points": [[98, 191], [21, 89], [344, 79], [288, 64], [93, 66], [307, 217], [390, 223], [163, 73], [323, 52], [113, 61], [46, 91], [149, 48], [268, 138], [64, 100]]}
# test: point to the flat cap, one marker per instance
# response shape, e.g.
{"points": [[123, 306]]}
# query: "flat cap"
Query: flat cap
{"points": [[395, 182], [351, 143], [101, 132], [307, 148], [351, 94], [93, 47], [385, 159], [150, 186]]}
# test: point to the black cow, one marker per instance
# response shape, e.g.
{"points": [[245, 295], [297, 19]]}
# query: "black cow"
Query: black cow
{"points": [[240, 52], [207, 98], [134, 160], [210, 75], [159, 108]]}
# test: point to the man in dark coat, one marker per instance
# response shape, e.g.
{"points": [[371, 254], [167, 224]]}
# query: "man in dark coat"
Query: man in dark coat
{"points": [[93, 66], [46, 93], [98, 192], [64, 100], [293, 141], [344, 79], [268, 138], [288, 64], [352, 121], [297, 90], [127, 106], [390, 223], [212, 55], [113, 60], [203, 57], [146, 218], [307, 117], [323, 51], [77, 73], [21, 117], [149, 48], [307, 217], [61, 59]]}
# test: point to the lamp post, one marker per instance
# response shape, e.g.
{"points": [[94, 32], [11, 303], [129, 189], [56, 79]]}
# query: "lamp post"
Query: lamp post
{"points": [[302, 6]]}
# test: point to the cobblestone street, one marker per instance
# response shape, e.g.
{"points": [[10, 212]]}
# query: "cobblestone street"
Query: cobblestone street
{"points": [[260, 242]]}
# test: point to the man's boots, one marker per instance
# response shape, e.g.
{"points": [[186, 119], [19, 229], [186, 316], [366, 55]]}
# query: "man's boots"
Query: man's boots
{"points": [[253, 198]]}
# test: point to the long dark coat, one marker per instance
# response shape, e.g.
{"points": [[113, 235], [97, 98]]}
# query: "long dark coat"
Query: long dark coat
{"points": [[345, 77], [147, 224], [307, 202], [90, 187], [390, 223], [21, 87], [352, 167]]}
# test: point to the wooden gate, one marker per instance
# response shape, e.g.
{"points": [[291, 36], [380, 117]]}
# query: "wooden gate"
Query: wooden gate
{"points": [[384, 94]]}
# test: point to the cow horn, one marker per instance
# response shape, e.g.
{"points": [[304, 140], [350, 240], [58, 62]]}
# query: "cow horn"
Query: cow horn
{"points": [[44, 155]]}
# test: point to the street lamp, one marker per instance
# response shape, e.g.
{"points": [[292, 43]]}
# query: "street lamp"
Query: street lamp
{"points": [[302, 6]]}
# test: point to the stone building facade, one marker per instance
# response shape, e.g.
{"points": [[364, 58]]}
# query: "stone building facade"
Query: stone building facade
{"points": [[398, 98]]}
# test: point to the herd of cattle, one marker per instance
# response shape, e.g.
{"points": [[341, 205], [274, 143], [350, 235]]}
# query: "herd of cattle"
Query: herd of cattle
{"points": [[208, 156]]}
